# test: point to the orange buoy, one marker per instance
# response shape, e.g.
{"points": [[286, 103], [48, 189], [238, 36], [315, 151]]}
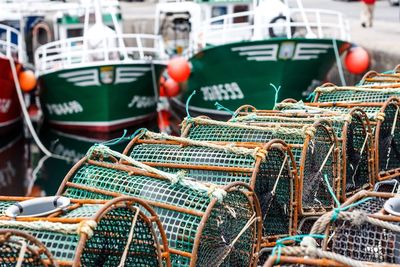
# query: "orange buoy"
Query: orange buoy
{"points": [[162, 88], [178, 69], [171, 88], [357, 60], [27, 80], [163, 120]]}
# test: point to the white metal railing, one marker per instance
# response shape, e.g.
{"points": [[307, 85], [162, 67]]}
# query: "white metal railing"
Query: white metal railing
{"points": [[119, 48], [315, 23], [8, 48]]}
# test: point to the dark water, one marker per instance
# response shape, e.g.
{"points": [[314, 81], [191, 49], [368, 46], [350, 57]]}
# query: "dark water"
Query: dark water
{"points": [[26, 171]]}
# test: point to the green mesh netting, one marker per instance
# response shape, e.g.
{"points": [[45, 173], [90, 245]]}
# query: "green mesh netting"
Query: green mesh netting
{"points": [[180, 226], [275, 206], [356, 96], [354, 143], [315, 194], [106, 246]]}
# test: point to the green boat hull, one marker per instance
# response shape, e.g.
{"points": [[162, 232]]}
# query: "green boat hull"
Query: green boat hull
{"points": [[246, 72], [100, 98]]}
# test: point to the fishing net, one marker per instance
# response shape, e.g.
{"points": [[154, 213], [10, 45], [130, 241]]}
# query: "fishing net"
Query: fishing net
{"points": [[20, 249], [352, 130], [87, 233], [203, 225], [266, 169], [313, 147]]}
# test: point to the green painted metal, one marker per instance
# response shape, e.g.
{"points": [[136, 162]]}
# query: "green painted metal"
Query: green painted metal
{"points": [[241, 73], [99, 96]]}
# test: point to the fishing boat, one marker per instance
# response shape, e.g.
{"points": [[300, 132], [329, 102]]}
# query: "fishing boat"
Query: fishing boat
{"points": [[98, 82], [10, 53], [245, 52]]}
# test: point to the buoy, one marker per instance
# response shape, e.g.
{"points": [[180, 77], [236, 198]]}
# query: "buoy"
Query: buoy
{"points": [[162, 88], [171, 88], [163, 121], [27, 80], [178, 69], [357, 60]]}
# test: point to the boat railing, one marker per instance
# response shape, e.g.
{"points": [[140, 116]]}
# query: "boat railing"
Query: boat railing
{"points": [[10, 42], [254, 25], [79, 51]]}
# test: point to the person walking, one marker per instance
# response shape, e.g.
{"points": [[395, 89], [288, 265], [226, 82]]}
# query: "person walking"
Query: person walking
{"points": [[367, 13]]}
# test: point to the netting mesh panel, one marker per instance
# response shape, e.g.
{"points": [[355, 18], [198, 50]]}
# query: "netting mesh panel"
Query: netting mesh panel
{"points": [[366, 242], [10, 249], [61, 246], [357, 156], [106, 246], [276, 207], [317, 164], [190, 155], [4, 205], [356, 96], [221, 230], [389, 139]]}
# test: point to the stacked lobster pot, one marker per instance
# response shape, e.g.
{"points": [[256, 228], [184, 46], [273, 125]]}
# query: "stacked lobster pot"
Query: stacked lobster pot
{"points": [[353, 131], [267, 168], [205, 224], [382, 105], [315, 156], [364, 231], [58, 231]]}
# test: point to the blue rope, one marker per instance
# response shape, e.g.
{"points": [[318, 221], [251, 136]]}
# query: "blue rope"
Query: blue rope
{"points": [[139, 131], [297, 238], [311, 97], [388, 72], [187, 106], [116, 141], [221, 107], [276, 93]]}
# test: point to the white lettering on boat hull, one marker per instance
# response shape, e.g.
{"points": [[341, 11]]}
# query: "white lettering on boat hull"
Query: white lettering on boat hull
{"points": [[140, 102], [227, 91], [67, 108]]}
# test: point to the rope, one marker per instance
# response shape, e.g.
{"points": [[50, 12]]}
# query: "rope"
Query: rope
{"points": [[265, 118], [21, 255], [85, 226], [276, 93], [339, 62], [187, 105], [301, 105], [129, 241], [364, 88], [178, 178], [230, 246], [359, 161], [231, 148], [221, 107], [275, 130], [392, 135]]}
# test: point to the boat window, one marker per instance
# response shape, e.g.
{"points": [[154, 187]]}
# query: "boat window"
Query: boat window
{"points": [[74, 33], [238, 9], [217, 11]]}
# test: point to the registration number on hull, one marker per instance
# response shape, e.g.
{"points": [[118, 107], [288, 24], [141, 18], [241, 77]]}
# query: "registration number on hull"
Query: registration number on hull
{"points": [[226, 91]]}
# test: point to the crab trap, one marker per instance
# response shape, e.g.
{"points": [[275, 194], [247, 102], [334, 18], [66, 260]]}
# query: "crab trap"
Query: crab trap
{"points": [[382, 80], [68, 232], [382, 107], [18, 248], [314, 148], [205, 225], [353, 131], [268, 169]]}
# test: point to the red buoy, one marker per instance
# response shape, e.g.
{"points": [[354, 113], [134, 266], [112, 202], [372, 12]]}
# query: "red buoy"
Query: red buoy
{"points": [[357, 60], [162, 88], [27, 80], [171, 88], [178, 69]]}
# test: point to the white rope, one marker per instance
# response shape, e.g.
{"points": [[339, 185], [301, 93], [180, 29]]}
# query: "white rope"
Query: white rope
{"points": [[265, 118], [359, 161], [326, 158], [21, 255], [212, 191], [85, 226], [301, 105], [130, 237], [363, 88], [338, 62], [392, 135], [256, 152], [26, 115]]}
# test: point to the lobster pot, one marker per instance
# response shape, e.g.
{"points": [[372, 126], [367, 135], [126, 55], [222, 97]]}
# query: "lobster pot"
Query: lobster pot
{"points": [[267, 169], [352, 130], [201, 230], [384, 116], [12, 242], [368, 241], [381, 80], [87, 233], [313, 148]]}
